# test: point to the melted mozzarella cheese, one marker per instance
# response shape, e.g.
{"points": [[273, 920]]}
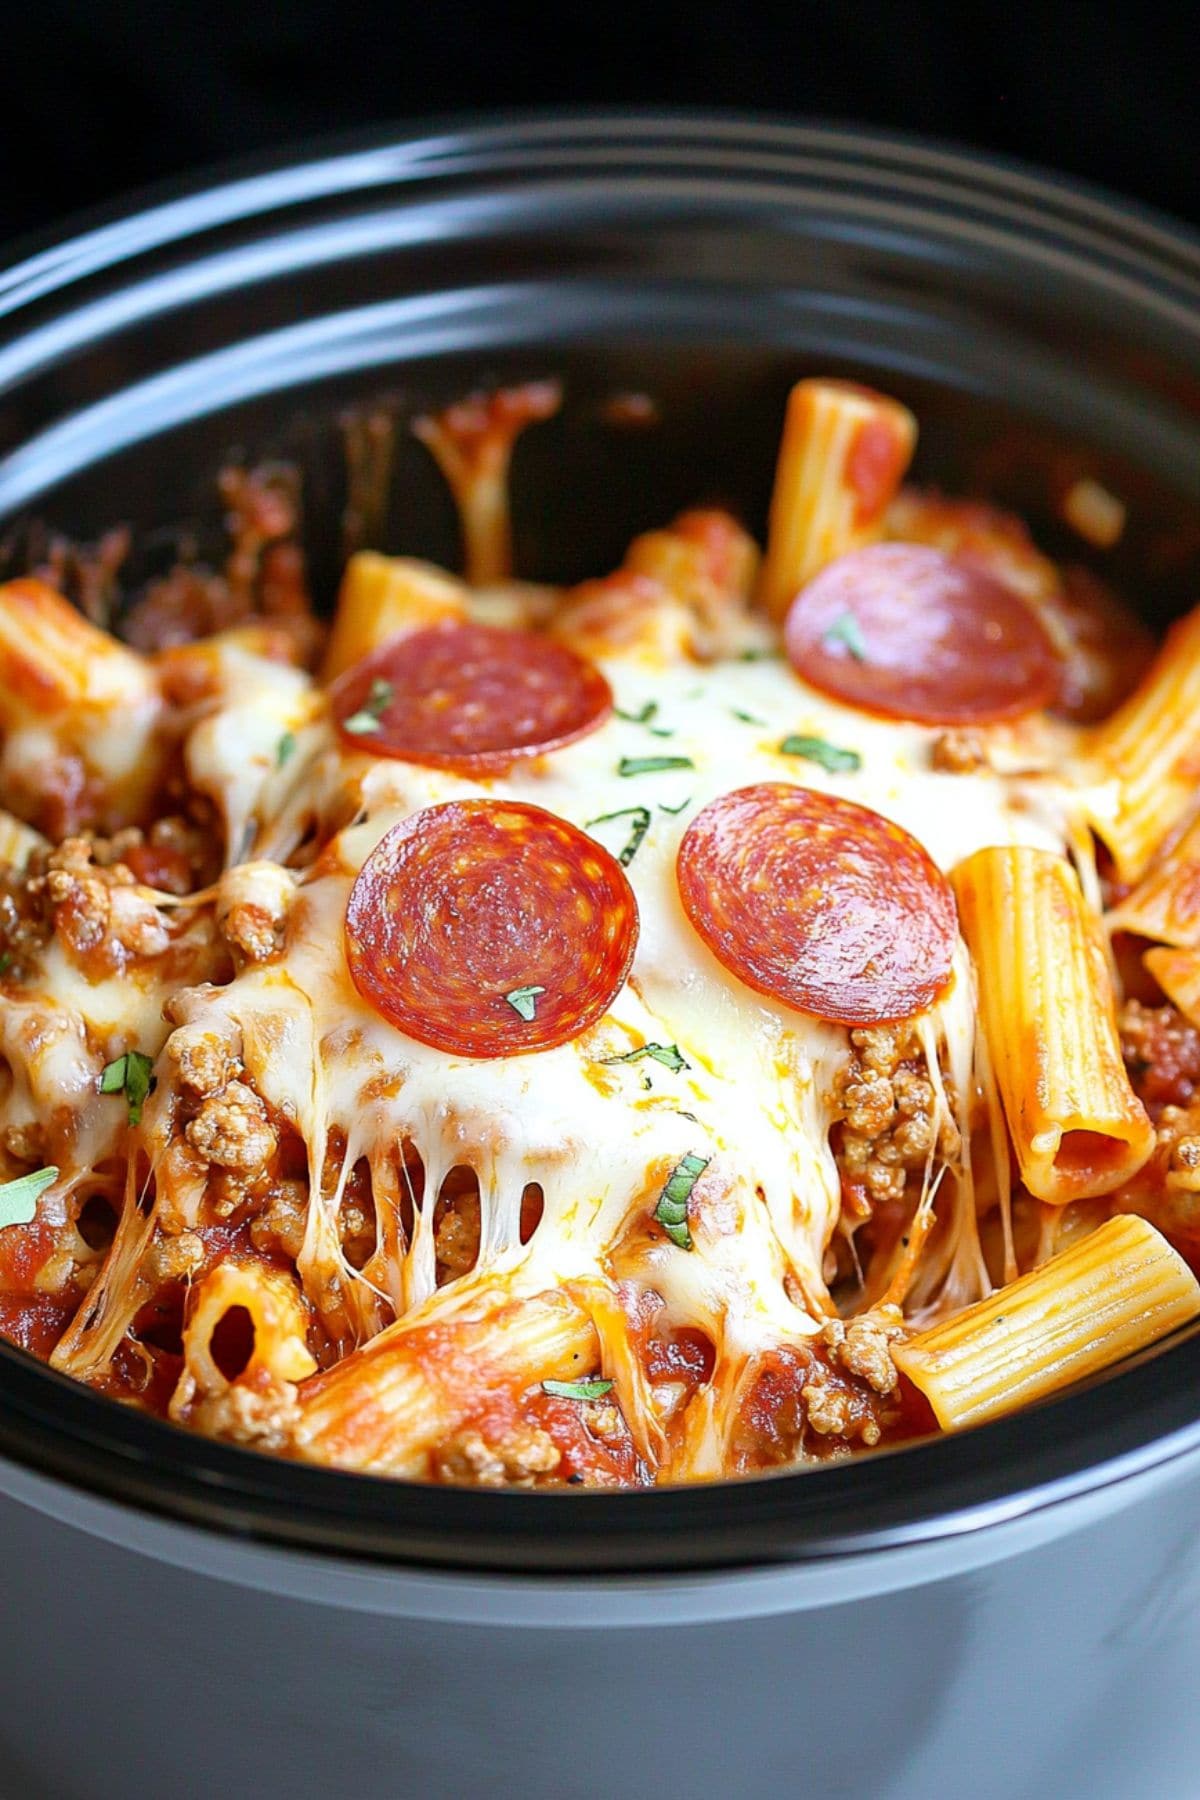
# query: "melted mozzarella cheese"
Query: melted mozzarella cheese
{"points": [[599, 1137]]}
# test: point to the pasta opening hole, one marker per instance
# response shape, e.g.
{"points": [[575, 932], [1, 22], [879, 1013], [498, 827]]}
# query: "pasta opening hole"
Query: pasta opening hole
{"points": [[231, 1342], [160, 1323], [685, 1355], [1089, 1155], [96, 1221], [456, 1224], [533, 1205]]}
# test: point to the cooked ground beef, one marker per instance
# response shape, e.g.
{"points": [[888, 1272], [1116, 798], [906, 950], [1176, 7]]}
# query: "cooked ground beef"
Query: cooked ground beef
{"points": [[889, 1113], [1162, 1054]]}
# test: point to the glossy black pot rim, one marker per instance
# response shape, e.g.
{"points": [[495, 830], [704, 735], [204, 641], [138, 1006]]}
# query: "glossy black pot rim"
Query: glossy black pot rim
{"points": [[1099, 1437]]}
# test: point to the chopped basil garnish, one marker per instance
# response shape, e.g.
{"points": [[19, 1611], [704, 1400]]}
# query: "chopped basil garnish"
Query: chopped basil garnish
{"points": [[285, 749], [523, 1000], [367, 718], [847, 630], [5, 960], [759, 653], [675, 810], [19, 1198], [131, 1075], [667, 1054], [641, 825], [652, 765], [672, 1209], [577, 1390], [643, 717], [814, 749]]}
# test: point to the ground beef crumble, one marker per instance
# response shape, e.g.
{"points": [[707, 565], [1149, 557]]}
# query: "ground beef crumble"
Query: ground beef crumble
{"points": [[889, 1113], [957, 752], [1162, 1053], [516, 1458]]}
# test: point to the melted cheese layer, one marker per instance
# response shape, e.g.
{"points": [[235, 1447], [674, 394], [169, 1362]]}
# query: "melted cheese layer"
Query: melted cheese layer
{"points": [[600, 1137]]}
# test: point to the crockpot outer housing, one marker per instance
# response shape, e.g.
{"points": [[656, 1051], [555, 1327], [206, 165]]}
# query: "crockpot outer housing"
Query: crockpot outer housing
{"points": [[1037, 330]]}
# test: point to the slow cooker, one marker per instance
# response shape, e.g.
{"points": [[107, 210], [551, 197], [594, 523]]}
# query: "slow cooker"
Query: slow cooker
{"points": [[1008, 1612]]}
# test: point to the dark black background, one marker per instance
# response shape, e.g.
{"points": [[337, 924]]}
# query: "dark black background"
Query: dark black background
{"points": [[104, 96]]}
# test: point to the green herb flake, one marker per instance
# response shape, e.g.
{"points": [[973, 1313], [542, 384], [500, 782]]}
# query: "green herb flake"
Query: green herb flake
{"points": [[847, 630], [131, 1075], [641, 825], [672, 1209], [5, 961], [367, 718], [745, 717], [833, 759], [759, 653], [523, 1000], [642, 717], [285, 749], [19, 1198], [652, 765], [676, 810], [595, 1389], [666, 1054]]}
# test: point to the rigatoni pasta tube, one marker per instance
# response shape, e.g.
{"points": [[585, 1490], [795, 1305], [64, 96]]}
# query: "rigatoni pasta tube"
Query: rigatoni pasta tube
{"points": [[1107, 1296], [703, 557], [1177, 973], [388, 1406], [101, 701], [1151, 748], [1165, 904], [53, 660], [263, 1300], [842, 455], [383, 595], [1047, 1011]]}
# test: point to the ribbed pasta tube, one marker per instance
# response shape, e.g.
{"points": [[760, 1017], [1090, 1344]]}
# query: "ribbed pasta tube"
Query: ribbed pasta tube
{"points": [[1151, 747], [1047, 1010], [842, 455], [383, 595], [272, 1337], [69, 689], [1105, 1297], [53, 660], [703, 558], [386, 1407], [1177, 973], [1165, 904]]}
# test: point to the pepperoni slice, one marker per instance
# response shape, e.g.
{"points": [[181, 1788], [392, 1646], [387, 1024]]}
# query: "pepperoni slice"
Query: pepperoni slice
{"points": [[490, 928], [819, 903], [907, 631], [469, 697]]}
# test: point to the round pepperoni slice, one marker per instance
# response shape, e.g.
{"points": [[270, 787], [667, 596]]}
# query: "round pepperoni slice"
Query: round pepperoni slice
{"points": [[907, 631], [819, 903], [469, 697], [489, 928]]}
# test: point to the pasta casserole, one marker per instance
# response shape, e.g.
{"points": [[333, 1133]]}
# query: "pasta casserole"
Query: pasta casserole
{"points": [[729, 1014]]}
